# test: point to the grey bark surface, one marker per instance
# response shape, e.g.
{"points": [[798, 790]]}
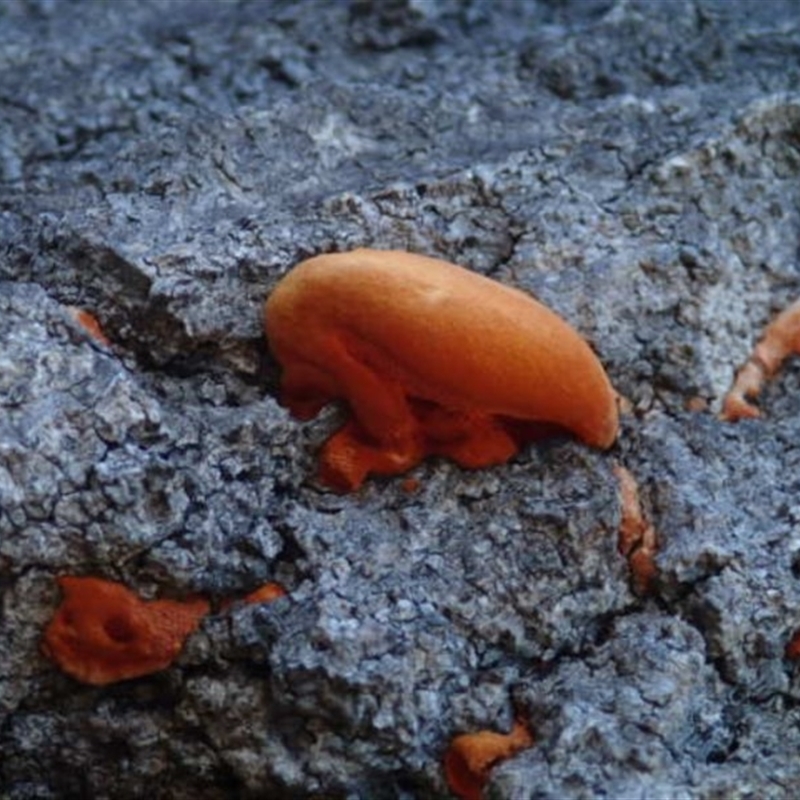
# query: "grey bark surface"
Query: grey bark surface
{"points": [[634, 165]]}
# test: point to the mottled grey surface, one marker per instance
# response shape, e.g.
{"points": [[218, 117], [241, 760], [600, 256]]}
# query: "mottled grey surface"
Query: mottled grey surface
{"points": [[636, 165]]}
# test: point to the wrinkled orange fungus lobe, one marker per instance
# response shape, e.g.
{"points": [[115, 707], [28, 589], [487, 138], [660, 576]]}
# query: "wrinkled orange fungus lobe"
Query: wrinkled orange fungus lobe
{"points": [[102, 632], [429, 359], [470, 758], [780, 339]]}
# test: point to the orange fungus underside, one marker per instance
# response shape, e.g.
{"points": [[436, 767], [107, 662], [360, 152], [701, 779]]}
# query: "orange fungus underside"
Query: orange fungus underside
{"points": [[103, 632]]}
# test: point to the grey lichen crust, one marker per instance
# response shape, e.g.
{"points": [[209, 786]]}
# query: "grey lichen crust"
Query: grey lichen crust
{"points": [[634, 165]]}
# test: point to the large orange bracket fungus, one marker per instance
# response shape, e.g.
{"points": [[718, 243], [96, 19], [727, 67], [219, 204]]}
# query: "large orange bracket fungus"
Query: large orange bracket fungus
{"points": [[102, 632], [471, 757], [429, 359], [781, 338]]}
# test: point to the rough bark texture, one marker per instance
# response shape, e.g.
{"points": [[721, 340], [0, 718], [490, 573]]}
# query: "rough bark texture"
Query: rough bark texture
{"points": [[635, 165]]}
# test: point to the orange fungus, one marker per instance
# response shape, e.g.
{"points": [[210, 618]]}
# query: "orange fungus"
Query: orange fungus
{"points": [[102, 632], [637, 537], [429, 359], [265, 593], [780, 339], [792, 650], [89, 323], [471, 756]]}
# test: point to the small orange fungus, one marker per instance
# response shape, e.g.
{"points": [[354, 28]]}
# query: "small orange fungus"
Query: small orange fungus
{"points": [[637, 537], [89, 323], [781, 338], [410, 485], [792, 651], [471, 756], [265, 593], [102, 632], [430, 359]]}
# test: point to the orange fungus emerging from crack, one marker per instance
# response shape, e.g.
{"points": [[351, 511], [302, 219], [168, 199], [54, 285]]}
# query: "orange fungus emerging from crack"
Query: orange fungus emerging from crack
{"points": [[471, 757], [430, 359], [103, 632], [637, 537], [780, 339]]}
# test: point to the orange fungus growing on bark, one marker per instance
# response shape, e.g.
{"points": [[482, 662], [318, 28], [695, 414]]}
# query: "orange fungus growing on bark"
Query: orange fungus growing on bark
{"points": [[781, 338], [430, 359], [792, 650], [637, 537], [265, 593], [103, 632], [89, 323], [471, 756]]}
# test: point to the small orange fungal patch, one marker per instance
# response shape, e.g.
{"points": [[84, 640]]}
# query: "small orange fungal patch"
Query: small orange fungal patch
{"points": [[89, 323], [429, 359], [780, 339], [696, 404], [637, 537], [471, 757], [792, 650], [103, 632], [265, 593], [410, 485]]}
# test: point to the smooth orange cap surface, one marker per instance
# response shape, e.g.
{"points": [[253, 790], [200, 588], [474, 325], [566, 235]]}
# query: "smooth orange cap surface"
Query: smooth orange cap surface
{"points": [[430, 359]]}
